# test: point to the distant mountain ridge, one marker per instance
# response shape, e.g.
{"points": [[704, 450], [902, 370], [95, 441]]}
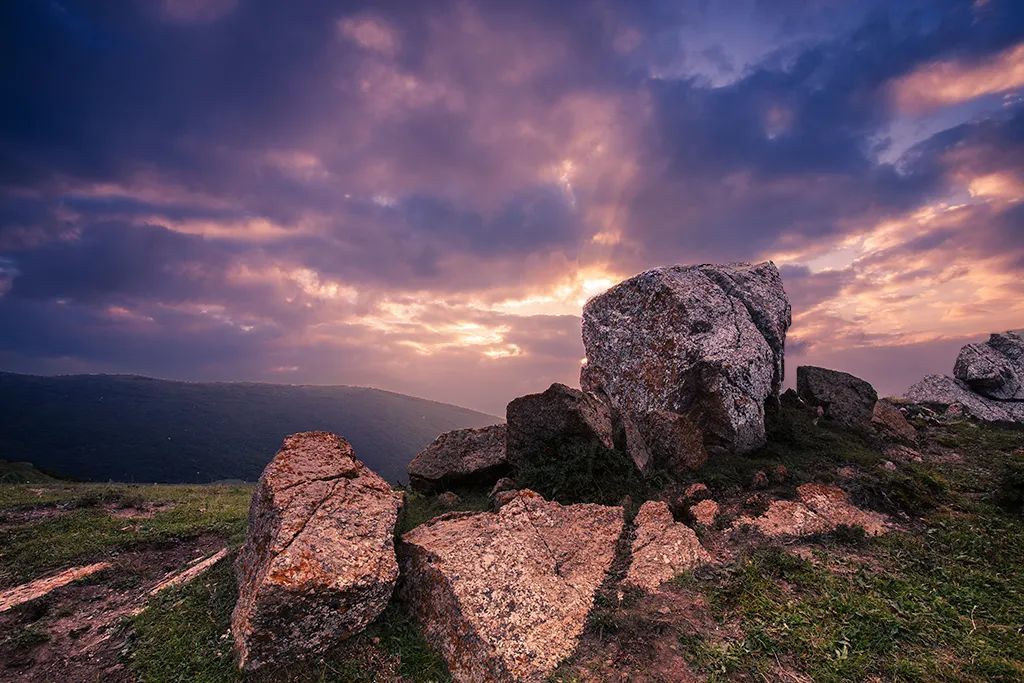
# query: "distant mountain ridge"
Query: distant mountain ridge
{"points": [[132, 428]]}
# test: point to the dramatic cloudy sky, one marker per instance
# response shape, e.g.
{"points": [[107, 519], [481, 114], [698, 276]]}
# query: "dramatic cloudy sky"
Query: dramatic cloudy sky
{"points": [[420, 196]]}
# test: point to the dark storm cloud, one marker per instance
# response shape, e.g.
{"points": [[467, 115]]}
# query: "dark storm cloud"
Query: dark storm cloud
{"points": [[389, 195]]}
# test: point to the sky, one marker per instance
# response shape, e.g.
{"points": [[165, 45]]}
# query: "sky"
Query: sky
{"points": [[421, 196]]}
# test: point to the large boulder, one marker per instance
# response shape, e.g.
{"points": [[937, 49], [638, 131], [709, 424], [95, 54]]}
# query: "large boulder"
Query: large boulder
{"points": [[539, 423], [318, 564], [662, 548], [953, 395], [504, 596], [848, 400], [688, 356], [460, 457], [994, 369]]}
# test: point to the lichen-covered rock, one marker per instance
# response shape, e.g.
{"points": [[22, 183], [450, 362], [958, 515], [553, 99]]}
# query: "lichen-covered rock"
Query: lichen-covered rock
{"points": [[687, 356], [504, 596], [820, 508], [888, 420], [956, 398], [662, 548], [539, 423], [459, 457], [705, 512], [318, 563], [848, 400], [994, 369]]}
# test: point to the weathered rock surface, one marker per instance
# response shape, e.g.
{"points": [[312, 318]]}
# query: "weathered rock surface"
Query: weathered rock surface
{"points": [[687, 356], [953, 395], [994, 369], [539, 423], [820, 508], [662, 548], [848, 400], [462, 456], [504, 596], [318, 563], [705, 512], [889, 421]]}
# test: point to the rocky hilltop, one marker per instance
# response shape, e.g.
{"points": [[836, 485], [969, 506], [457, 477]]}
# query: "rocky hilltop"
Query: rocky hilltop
{"points": [[676, 518]]}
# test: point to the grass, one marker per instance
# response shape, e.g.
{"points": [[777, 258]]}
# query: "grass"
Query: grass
{"points": [[183, 636], [87, 531], [420, 507], [943, 601]]}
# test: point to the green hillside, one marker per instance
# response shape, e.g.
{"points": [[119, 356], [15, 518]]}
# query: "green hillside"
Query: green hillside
{"points": [[127, 428]]}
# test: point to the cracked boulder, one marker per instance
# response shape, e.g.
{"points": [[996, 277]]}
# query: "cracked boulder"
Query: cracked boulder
{"points": [[687, 357], [504, 596], [662, 548], [994, 369], [538, 424], [318, 563], [846, 399], [460, 457]]}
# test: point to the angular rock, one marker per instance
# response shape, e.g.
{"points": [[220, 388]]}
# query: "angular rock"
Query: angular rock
{"points": [[848, 400], [687, 356], [539, 423], [956, 398], [705, 512], [460, 457], [888, 420], [504, 596], [318, 563], [447, 499], [994, 369], [662, 548], [821, 508]]}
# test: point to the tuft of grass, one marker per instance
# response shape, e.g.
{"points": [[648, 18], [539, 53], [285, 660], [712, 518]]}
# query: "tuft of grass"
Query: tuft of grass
{"points": [[420, 507]]}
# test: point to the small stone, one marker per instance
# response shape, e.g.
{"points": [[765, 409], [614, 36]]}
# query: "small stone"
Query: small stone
{"points": [[889, 421], [696, 491], [501, 498], [760, 480], [503, 484], [779, 474], [448, 499], [889, 465], [705, 512]]}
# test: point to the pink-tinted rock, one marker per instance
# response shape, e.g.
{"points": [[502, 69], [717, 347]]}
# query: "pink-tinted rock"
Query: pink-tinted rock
{"points": [[888, 420], [821, 508], [662, 548], [504, 596], [318, 564], [705, 512]]}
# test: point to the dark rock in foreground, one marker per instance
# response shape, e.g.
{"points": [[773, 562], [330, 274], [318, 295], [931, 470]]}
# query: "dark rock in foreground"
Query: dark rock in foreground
{"points": [[318, 564], [848, 400], [994, 369], [687, 356], [460, 457], [538, 424], [504, 596]]}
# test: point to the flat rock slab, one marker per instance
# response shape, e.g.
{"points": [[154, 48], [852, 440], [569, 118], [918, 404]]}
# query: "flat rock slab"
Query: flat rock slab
{"points": [[34, 590], [318, 564], [460, 457], [662, 548], [955, 396], [504, 596], [821, 508]]}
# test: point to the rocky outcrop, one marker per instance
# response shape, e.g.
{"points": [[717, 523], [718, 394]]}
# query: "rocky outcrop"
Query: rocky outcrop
{"points": [[889, 421], [954, 396], [846, 399], [687, 357], [994, 369], [538, 424], [318, 564], [821, 508], [460, 457], [504, 596], [662, 548]]}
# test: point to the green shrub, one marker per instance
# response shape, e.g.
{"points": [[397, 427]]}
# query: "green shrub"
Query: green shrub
{"points": [[582, 472]]}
